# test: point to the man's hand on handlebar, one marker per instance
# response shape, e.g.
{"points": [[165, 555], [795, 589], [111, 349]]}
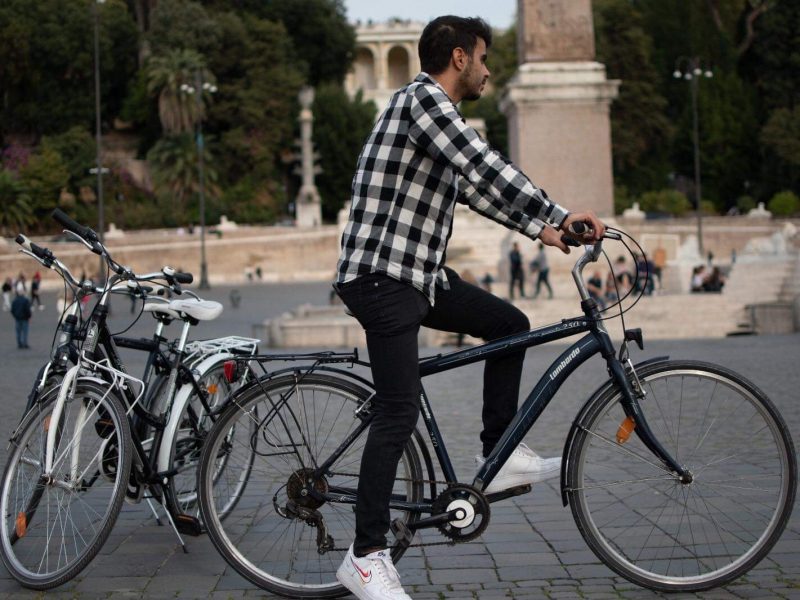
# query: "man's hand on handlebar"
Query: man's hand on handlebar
{"points": [[577, 228], [551, 237], [592, 231]]}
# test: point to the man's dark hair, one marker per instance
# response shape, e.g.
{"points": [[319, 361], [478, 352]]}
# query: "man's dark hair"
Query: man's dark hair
{"points": [[444, 34]]}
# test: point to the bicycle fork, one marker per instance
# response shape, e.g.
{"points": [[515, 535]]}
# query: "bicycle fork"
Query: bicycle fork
{"points": [[633, 410]]}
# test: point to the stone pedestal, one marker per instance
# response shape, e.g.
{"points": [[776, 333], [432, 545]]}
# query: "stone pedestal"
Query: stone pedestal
{"points": [[560, 133]]}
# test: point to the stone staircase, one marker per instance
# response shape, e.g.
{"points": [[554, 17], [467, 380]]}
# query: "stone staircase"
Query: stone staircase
{"points": [[752, 281], [778, 313], [757, 298]]}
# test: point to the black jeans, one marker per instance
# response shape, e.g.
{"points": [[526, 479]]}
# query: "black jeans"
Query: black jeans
{"points": [[391, 313]]}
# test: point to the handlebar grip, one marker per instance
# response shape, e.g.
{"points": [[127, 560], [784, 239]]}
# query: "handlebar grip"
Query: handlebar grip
{"points": [[23, 241], [36, 250], [578, 228], [570, 242], [183, 277], [69, 224]]}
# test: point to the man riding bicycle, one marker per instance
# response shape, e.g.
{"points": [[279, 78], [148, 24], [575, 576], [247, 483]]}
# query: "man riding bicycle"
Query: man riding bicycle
{"points": [[419, 160]]}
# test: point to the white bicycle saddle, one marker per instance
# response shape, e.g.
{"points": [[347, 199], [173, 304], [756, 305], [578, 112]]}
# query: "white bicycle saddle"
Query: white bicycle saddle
{"points": [[161, 308], [202, 310]]}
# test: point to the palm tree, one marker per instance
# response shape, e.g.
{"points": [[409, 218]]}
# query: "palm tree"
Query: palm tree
{"points": [[167, 78], [15, 204], [174, 162]]}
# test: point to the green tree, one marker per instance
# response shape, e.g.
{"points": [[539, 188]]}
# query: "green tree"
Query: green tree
{"points": [[168, 76], [78, 151], [255, 110], [340, 127], [15, 206], [781, 134], [182, 25], [665, 201], [44, 177], [174, 163], [640, 130], [47, 63], [322, 36], [784, 204]]}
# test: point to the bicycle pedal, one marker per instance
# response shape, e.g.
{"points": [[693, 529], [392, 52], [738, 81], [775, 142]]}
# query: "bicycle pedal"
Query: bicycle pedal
{"points": [[401, 532], [188, 525], [509, 493]]}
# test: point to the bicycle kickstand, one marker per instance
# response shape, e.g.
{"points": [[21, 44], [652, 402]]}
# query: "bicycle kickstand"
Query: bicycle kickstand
{"points": [[171, 523]]}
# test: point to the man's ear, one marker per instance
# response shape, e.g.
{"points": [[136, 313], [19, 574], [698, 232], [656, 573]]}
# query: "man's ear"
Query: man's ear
{"points": [[459, 58]]}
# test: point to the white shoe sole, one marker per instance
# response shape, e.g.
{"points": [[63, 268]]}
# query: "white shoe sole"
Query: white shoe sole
{"points": [[505, 482]]}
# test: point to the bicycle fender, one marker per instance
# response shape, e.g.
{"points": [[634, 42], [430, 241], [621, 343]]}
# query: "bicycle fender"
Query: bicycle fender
{"points": [[179, 403], [573, 432]]}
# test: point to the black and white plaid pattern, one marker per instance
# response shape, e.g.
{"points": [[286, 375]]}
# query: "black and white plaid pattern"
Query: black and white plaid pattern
{"points": [[420, 159]]}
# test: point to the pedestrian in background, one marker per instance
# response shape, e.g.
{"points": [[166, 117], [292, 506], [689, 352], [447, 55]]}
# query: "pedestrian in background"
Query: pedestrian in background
{"points": [[21, 284], [541, 265], [517, 273], [35, 284], [8, 285], [21, 311]]}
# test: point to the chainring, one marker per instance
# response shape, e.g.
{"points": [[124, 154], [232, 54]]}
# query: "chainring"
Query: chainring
{"points": [[459, 495]]}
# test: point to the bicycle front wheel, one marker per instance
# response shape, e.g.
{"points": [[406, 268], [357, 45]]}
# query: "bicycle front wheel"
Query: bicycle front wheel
{"points": [[53, 524], [283, 535], [648, 526]]}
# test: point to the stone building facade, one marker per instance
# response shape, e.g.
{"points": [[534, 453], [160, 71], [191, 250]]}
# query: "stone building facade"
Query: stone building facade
{"points": [[385, 59]]}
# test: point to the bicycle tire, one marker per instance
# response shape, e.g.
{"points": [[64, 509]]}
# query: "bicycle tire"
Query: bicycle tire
{"points": [[657, 532], [259, 542], [187, 444], [98, 433]]}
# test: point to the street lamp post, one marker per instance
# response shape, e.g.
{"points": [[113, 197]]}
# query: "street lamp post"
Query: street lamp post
{"points": [[101, 225], [197, 90], [691, 70]]}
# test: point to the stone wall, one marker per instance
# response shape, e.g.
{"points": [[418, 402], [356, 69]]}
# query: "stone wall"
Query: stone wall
{"points": [[282, 253], [289, 254]]}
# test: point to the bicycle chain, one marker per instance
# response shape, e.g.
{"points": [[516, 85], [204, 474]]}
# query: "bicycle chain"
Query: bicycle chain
{"points": [[424, 481]]}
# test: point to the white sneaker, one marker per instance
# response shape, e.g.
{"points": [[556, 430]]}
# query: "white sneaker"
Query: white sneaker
{"points": [[523, 467], [371, 577]]}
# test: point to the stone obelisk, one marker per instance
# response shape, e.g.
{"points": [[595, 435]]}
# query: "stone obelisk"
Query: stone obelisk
{"points": [[557, 105], [308, 205]]}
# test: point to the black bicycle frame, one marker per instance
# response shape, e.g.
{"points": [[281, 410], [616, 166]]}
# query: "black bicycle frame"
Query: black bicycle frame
{"points": [[596, 341]]}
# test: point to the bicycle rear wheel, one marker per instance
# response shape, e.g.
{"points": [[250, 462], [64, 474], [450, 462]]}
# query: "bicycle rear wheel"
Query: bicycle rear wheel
{"points": [[276, 534], [55, 523], [647, 525], [187, 446]]}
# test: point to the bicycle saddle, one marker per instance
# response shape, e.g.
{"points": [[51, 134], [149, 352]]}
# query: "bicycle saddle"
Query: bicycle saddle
{"points": [[160, 308], [202, 310]]}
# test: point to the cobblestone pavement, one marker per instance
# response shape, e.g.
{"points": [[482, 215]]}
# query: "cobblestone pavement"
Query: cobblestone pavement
{"points": [[532, 548]]}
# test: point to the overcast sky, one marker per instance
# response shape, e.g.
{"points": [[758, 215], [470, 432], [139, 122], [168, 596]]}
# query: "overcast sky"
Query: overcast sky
{"points": [[498, 13]]}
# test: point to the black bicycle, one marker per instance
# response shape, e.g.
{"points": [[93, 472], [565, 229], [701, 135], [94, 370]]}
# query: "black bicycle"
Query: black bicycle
{"points": [[93, 438], [680, 474]]}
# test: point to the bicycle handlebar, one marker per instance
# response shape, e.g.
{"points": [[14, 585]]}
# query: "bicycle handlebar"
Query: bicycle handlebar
{"points": [[41, 253], [70, 225]]}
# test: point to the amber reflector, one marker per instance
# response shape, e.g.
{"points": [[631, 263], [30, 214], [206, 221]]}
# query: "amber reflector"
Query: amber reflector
{"points": [[21, 525], [625, 429]]}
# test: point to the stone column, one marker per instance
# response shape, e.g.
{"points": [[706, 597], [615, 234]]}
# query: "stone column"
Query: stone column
{"points": [[557, 105], [308, 204]]}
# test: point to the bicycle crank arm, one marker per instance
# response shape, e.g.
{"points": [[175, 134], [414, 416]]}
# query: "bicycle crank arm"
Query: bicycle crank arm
{"points": [[452, 515]]}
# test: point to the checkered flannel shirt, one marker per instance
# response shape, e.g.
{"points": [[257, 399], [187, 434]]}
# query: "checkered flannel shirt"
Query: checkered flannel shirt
{"points": [[420, 159]]}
